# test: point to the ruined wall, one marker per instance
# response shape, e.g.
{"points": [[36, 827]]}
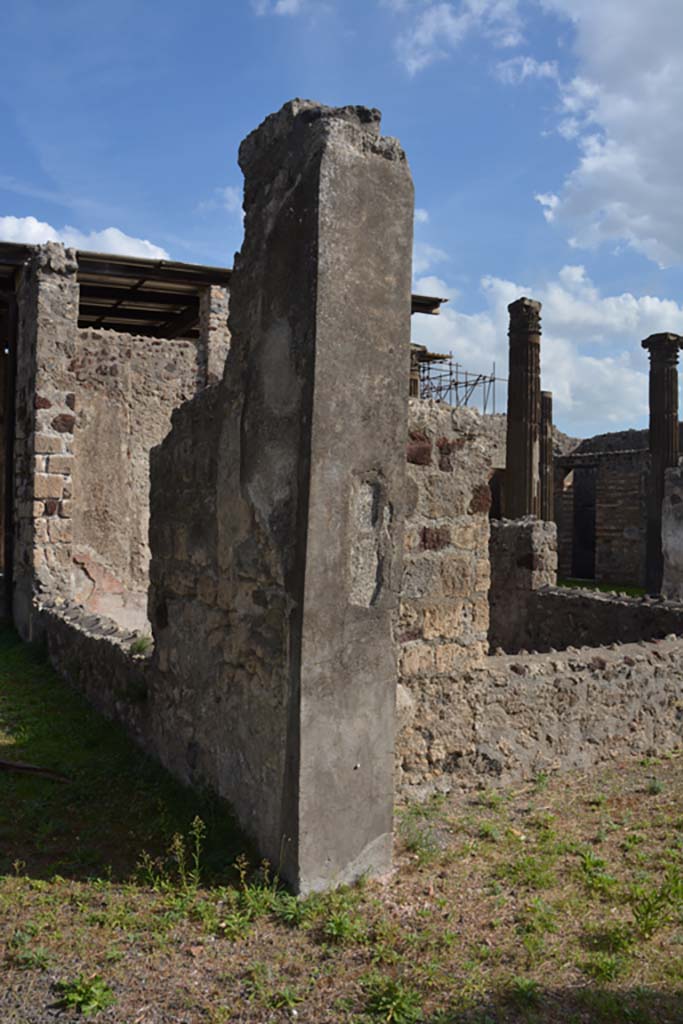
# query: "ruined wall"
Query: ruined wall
{"points": [[508, 719], [443, 620], [124, 390], [672, 534], [47, 302], [276, 527], [560, 617], [89, 406], [564, 521], [523, 555], [214, 332], [620, 518]]}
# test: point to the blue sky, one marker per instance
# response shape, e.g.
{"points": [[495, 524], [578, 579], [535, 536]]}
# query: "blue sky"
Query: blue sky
{"points": [[544, 138]]}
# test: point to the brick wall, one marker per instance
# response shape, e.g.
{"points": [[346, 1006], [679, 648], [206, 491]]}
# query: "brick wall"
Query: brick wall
{"points": [[523, 555], [620, 518]]}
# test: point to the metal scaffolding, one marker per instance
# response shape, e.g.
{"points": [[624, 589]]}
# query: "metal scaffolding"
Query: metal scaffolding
{"points": [[445, 380]]}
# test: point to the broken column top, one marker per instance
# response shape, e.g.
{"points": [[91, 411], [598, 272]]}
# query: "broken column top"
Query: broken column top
{"points": [[525, 316], [520, 304], [663, 342], [297, 117]]}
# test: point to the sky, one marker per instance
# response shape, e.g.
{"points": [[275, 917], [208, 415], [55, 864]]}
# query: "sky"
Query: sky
{"points": [[544, 138]]}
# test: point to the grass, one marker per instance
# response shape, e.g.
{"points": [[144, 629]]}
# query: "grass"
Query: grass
{"points": [[124, 897], [605, 588]]}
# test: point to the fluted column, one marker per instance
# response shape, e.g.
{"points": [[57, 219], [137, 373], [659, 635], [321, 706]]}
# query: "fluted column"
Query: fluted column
{"points": [[522, 475], [547, 511], [663, 442]]}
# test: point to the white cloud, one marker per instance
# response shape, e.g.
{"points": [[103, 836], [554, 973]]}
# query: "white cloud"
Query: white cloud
{"points": [[622, 108], [549, 202], [426, 256], [436, 29], [261, 7], [518, 69], [35, 232], [430, 284], [592, 360], [421, 216], [228, 197]]}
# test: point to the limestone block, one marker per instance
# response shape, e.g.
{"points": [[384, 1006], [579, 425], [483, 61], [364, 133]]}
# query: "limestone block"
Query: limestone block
{"points": [[60, 464], [442, 621], [417, 659], [48, 485], [48, 443]]}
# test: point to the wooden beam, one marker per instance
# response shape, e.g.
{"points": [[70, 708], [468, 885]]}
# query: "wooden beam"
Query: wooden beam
{"points": [[107, 313], [110, 293], [96, 266]]}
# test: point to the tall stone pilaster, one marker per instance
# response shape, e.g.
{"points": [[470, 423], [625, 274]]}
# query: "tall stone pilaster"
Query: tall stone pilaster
{"points": [[663, 438], [522, 466], [47, 308], [286, 485], [547, 511]]}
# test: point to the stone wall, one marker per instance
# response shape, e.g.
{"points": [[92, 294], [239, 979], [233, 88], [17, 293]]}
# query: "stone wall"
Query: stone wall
{"points": [[277, 506], [93, 653], [47, 303], [672, 534], [523, 554], [443, 620], [620, 518], [601, 515], [89, 406], [214, 332], [560, 617], [124, 390], [508, 719]]}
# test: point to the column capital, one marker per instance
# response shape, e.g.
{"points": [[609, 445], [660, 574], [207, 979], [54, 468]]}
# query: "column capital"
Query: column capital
{"points": [[525, 315], [664, 347]]}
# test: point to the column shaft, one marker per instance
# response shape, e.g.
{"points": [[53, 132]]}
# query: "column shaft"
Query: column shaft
{"points": [[522, 476], [546, 457], [663, 442]]}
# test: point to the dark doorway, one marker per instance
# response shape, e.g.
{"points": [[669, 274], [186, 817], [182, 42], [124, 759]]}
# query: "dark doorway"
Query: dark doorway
{"points": [[583, 547]]}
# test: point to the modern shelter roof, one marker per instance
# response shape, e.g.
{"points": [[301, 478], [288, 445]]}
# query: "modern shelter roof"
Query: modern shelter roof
{"points": [[155, 298]]}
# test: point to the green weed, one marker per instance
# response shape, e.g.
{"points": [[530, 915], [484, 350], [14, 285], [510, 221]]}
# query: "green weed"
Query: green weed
{"points": [[524, 992], [142, 644], [594, 874], [88, 995], [392, 1001]]}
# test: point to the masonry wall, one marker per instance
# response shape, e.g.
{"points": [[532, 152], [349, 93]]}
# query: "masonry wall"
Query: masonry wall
{"points": [[47, 303], [523, 555], [214, 333], [124, 390], [277, 507], [89, 407], [562, 617], [564, 521], [672, 534], [444, 610], [620, 518], [507, 719]]}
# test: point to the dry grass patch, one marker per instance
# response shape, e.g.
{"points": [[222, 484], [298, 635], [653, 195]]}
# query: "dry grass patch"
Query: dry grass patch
{"points": [[127, 899]]}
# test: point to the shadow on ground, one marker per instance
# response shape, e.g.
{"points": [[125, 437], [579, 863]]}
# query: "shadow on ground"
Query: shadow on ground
{"points": [[116, 803], [590, 1005]]}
